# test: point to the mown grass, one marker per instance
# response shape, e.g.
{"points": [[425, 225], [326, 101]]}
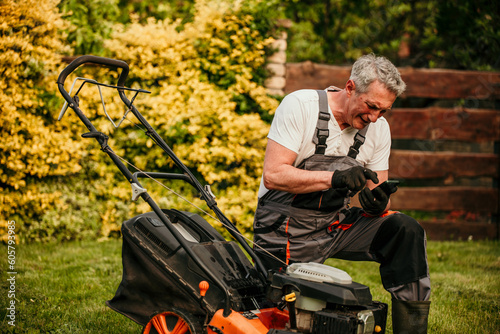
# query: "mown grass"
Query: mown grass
{"points": [[63, 288]]}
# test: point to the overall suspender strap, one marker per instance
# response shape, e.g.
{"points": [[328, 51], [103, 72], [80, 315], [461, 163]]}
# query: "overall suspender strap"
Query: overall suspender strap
{"points": [[359, 139], [322, 131]]}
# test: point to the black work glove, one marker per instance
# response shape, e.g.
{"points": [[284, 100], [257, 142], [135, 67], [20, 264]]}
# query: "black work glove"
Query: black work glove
{"points": [[353, 178], [373, 201]]}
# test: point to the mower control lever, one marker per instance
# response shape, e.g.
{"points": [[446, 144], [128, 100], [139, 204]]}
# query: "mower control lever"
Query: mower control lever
{"points": [[208, 189], [101, 138], [137, 191]]}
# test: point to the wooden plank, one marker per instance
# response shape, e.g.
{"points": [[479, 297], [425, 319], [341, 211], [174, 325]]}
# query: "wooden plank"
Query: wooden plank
{"points": [[473, 199], [315, 76], [451, 230], [410, 123], [407, 164], [431, 83], [461, 124], [451, 84], [447, 230]]}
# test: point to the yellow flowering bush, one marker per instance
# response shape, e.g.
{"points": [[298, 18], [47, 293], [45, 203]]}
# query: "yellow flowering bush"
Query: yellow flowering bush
{"points": [[195, 73], [33, 147]]}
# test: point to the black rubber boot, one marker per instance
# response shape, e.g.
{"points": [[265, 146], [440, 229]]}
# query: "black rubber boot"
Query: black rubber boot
{"points": [[410, 317]]}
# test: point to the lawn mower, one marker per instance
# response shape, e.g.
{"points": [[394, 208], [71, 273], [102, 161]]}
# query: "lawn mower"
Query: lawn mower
{"points": [[180, 275]]}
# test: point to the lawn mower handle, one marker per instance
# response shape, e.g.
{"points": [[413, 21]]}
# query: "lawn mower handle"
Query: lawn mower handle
{"points": [[95, 60], [88, 59]]}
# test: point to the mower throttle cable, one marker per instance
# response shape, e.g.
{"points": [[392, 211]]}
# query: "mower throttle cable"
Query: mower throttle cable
{"points": [[197, 207]]}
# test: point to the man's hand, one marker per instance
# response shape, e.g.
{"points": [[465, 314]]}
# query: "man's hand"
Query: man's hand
{"points": [[373, 201], [353, 178]]}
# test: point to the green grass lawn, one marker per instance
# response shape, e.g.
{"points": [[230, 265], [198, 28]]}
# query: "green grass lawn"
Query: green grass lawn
{"points": [[63, 288]]}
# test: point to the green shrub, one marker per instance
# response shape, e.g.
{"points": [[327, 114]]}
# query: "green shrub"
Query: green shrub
{"points": [[91, 24], [194, 74], [34, 148], [445, 34]]}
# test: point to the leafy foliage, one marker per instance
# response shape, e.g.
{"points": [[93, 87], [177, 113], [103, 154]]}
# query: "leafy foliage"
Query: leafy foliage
{"points": [[448, 34], [34, 149], [469, 34], [194, 73], [158, 9], [91, 23]]}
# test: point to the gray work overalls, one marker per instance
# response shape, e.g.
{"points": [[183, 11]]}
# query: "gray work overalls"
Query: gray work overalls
{"points": [[293, 227], [313, 227]]}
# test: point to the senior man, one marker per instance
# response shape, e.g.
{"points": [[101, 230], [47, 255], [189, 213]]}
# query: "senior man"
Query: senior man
{"points": [[323, 147]]}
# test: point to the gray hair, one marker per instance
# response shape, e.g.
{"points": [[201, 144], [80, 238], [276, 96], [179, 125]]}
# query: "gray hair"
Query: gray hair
{"points": [[369, 68]]}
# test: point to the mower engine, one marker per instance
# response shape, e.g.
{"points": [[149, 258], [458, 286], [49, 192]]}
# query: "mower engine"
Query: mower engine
{"points": [[327, 301]]}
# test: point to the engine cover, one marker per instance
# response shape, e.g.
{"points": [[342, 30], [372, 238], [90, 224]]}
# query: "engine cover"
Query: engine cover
{"points": [[328, 301]]}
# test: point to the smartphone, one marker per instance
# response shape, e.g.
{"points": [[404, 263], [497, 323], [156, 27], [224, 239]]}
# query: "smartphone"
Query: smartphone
{"points": [[389, 186]]}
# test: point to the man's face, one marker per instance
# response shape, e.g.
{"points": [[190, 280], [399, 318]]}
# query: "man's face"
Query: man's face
{"points": [[366, 108]]}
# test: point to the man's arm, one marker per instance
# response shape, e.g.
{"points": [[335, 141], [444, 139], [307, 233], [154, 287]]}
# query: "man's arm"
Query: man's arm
{"points": [[382, 175], [280, 174]]}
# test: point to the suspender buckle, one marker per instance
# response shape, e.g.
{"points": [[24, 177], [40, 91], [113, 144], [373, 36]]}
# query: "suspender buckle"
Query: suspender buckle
{"points": [[359, 137], [322, 135], [324, 116], [353, 152], [320, 149], [359, 140]]}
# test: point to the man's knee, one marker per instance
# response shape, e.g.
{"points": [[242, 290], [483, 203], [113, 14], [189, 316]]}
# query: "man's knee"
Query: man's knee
{"points": [[400, 247], [400, 225]]}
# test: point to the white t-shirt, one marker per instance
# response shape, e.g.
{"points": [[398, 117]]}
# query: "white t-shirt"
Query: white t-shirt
{"points": [[294, 125]]}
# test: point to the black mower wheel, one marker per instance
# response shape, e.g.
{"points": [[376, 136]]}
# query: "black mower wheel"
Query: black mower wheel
{"points": [[174, 321]]}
